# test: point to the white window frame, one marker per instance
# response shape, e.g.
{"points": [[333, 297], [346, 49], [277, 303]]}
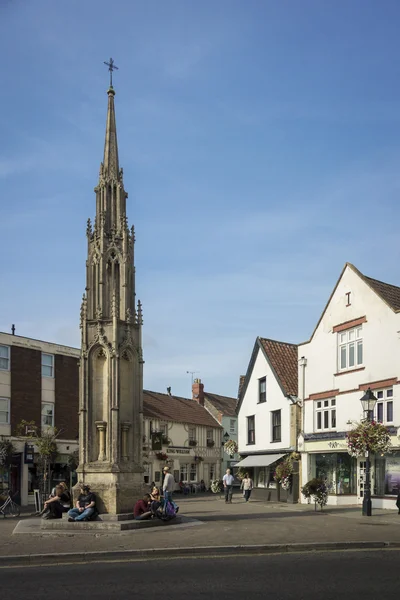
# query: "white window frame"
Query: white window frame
{"points": [[183, 472], [6, 411], [275, 427], [385, 403], [210, 435], [327, 409], [5, 358], [350, 349], [193, 471], [46, 366], [192, 434], [232, 426], [44, 404], [262, 390], [212, 469]]}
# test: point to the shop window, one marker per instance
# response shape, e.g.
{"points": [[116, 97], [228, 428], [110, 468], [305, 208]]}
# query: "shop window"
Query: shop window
{"points": [[193, 472], [339, 470], [183, 473], [325, 414], [384, 406]]}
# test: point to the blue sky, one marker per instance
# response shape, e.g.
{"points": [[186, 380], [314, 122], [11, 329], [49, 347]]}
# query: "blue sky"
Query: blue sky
{"points": [[260, 143]]}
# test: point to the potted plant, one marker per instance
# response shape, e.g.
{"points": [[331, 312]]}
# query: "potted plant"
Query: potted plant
{"points": [[161, 456], [210, 443], [283, 473], [198, 458], [192, 442]]}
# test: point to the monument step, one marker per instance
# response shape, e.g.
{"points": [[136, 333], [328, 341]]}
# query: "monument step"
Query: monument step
{"points": [[108, 518], [108, 525]]}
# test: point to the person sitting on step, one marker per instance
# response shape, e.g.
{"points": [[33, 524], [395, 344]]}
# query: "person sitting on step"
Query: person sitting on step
{"points": [[56, 505], [85, 505], [142, 509]]}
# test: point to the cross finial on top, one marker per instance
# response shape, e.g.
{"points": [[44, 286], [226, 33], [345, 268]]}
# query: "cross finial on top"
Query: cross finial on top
{"points": [[111, 68]]}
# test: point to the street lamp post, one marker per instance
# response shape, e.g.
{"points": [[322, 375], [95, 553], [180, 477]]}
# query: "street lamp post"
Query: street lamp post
{"points": [[368, 402]]}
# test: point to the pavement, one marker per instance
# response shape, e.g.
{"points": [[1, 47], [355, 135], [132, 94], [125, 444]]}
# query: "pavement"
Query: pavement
{"points": [[209, 524]]}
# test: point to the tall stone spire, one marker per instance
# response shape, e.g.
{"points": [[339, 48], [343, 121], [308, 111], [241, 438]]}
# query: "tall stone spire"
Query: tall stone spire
{"points": [[110, 162], [111, 366]]}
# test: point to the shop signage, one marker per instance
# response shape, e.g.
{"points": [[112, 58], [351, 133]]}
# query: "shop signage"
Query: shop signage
{"points": [[29, 454], [172, 450]]}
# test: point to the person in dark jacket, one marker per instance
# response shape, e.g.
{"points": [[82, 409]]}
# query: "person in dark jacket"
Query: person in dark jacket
{"points": [[398, 501]]}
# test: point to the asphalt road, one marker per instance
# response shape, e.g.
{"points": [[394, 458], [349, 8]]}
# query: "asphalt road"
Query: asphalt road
{"points": [[326, 576]]}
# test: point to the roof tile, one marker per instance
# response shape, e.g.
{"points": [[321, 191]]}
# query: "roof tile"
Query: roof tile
{"points": [[174, 408], [283, 358], [225, 404]]}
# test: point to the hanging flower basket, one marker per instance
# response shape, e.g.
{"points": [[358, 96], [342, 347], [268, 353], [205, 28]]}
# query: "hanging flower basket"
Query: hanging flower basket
{"points": [[283, 473], [231, 447], [198, 458], [6, 451], [161, 456], [368, 436]]}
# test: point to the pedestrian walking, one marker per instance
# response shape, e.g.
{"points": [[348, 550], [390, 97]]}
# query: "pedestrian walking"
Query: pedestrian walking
{"points": [[228, 480], [398, 501], [168, 484], [246, 486]]}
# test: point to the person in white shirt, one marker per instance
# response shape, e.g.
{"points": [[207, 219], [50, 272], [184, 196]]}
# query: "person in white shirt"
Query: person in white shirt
{"points": [[228, 480], [168, 484], [247, 486]]}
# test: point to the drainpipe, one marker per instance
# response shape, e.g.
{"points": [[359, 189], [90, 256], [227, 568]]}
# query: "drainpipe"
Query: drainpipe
{"points": [[303, 364]]}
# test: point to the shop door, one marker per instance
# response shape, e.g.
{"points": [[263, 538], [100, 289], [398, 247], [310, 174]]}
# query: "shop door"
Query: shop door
{"points": [[361, 468]]}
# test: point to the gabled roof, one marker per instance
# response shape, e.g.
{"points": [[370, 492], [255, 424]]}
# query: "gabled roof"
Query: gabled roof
{"points": [[225, 404], [390, 294], [282, 359], [174, 408]]}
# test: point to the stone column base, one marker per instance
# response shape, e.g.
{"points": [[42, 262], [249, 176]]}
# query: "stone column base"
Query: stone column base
{"points": [[116, 492]]}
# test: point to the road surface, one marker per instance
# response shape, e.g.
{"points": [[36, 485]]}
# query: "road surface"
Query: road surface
{"points": [[324, 576]]}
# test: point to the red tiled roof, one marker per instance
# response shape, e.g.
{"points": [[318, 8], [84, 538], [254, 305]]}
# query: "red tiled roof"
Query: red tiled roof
{"points": [[283, 359], [225, 404], [173, 408], [389, 293]]}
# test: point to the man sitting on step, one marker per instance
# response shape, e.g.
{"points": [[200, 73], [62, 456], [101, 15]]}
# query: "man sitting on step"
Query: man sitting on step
{"points": [[85, 505]]}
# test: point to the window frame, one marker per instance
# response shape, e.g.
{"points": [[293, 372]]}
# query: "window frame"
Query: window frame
{"points": [[52, 404], [183, 472], [210, 434], [276, 428], [253, 430], [262, 395], [48, 366], [7, 411], [232, 428], [193, 470], [6, 358], [346, 342], [328, 410], [385, 400], [192, 438]]}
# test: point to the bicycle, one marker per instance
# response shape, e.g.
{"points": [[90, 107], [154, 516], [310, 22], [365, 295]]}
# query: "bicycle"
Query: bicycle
{"points": [[9, 507]]}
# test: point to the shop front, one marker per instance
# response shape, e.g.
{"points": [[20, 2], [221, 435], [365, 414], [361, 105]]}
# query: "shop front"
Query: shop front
{"points": [[345, 475], [261, 468]]}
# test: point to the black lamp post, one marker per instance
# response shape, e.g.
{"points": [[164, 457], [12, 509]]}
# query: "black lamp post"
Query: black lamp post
{"points": [[368, 402]]}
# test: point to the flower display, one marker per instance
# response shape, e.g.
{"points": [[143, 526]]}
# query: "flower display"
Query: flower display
{"points": [[216, 486], [317, 490], [368, 436], [161, 456], [231, 447], [6, 452], [283, 473]]}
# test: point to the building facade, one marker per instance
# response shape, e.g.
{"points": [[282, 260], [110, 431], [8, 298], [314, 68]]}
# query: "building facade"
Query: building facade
{"points": [[39, 383], [223, 409], [268, 412], [183, 435], [355, 345]]}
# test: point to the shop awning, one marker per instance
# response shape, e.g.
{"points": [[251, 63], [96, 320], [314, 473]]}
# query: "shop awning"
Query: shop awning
{"points": [[259, 460]]}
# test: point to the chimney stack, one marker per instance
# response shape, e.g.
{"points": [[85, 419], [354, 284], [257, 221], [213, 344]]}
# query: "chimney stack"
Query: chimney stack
{"points": [[198, 391]]}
